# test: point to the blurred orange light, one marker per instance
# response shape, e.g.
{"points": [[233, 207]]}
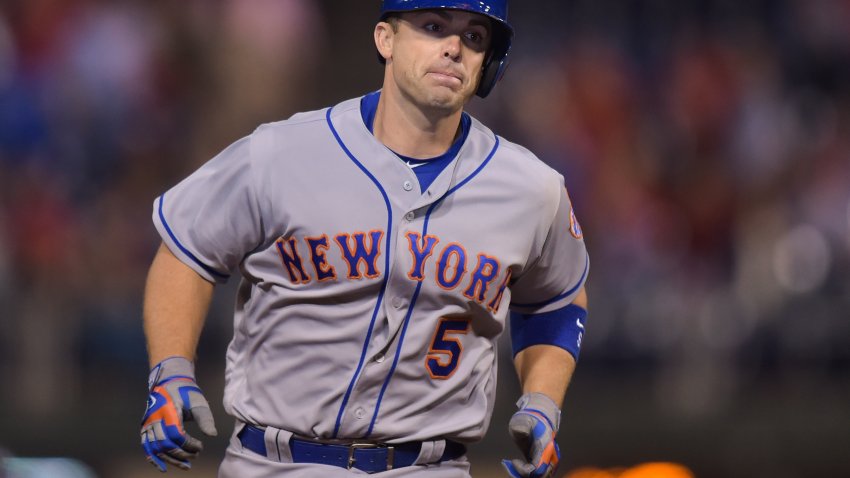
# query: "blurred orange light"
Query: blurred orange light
{"points": [[645, 470], [590, 472], [657, 470]]}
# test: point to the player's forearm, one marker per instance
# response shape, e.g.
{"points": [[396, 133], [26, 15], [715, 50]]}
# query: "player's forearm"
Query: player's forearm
{"points": [[548, 369], [545, 369], [176, 303]]}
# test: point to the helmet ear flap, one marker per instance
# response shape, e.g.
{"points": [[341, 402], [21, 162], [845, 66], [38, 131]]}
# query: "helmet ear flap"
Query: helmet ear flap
{"points": [[494, 68], [493, 71]]}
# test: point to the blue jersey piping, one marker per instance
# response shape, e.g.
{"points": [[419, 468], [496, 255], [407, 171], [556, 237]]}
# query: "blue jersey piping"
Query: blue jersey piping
{"points": [[419, 285], [368, 339], [565, 294], [180, 246]]}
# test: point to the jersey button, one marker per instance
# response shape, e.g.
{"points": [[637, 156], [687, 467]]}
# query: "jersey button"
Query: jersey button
{"points": [[379, 358], [409, 216], [408, 186], [398, 302], [359, 413]]}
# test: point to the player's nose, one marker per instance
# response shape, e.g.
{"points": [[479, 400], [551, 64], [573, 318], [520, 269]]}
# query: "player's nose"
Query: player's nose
{"points": [[452, 47]]}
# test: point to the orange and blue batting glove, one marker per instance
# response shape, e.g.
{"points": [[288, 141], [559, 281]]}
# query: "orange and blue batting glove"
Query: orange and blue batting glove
{"points": [[533, 429], [174, 399]]}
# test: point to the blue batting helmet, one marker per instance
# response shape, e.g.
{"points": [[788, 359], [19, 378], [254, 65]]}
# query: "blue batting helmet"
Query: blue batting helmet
{"points": [[496, 10]]}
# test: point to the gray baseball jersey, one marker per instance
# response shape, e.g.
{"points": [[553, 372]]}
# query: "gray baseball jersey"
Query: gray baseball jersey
{"points": [[368, 308]]}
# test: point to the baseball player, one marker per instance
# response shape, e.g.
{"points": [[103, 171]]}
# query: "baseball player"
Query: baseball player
{"points": [[383, 245]]}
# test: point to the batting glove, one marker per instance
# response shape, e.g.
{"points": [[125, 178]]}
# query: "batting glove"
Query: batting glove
{"points": [[174, 399], [533, 429]]}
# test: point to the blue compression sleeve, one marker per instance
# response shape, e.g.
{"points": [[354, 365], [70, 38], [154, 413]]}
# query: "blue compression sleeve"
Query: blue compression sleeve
{"points": [[562, 328]]}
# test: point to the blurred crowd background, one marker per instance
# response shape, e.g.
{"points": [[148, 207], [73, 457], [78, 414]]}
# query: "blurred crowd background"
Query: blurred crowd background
{"points": [[705, 144]]}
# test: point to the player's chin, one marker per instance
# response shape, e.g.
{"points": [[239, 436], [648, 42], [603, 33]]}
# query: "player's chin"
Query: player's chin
{"points": [[447, 105], [448, 98]]}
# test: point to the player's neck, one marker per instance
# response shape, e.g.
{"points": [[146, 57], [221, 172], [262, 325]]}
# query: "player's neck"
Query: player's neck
{"points": [[408, 130]]}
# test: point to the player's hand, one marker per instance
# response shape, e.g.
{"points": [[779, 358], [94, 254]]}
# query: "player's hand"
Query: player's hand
{"points": [[533, 429], [174, 399]]}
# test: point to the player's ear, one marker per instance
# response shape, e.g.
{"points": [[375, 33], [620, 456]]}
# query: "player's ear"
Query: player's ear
{"points": [[384, 35]]}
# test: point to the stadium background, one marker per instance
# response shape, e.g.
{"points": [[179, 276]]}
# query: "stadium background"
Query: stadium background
{"points": [[706, 145]]}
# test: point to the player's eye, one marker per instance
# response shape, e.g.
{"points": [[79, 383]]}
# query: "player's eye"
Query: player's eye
{"points": [[476, 39], [433, 27]]}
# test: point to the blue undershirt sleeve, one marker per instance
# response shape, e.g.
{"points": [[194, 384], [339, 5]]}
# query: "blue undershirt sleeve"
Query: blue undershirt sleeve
{"points": [[562, 328]]}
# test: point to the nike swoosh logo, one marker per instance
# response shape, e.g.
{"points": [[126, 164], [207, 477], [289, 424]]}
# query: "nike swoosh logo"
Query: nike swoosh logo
{"points": [[412, 166], [579, 324], [151, 402]]}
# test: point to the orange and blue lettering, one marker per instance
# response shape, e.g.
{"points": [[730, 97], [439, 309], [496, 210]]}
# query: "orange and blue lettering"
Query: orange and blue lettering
{"points": [[288, 249], [420, 254], [452, 253], [486, 270], [318, 246], [361, 253]]}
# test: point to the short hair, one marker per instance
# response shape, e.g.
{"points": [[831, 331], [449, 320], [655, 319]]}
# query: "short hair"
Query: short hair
{"points": [[393, 20]]}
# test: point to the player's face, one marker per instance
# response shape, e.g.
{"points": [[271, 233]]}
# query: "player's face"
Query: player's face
{"points": [[437, 56]]}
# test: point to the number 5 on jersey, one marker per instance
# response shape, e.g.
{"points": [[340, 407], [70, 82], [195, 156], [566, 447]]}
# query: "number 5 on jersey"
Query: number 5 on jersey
{"points": [[444, 356]]}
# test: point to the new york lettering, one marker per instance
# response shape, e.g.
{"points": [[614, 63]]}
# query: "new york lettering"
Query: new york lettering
{"points": [[450, 266]]}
